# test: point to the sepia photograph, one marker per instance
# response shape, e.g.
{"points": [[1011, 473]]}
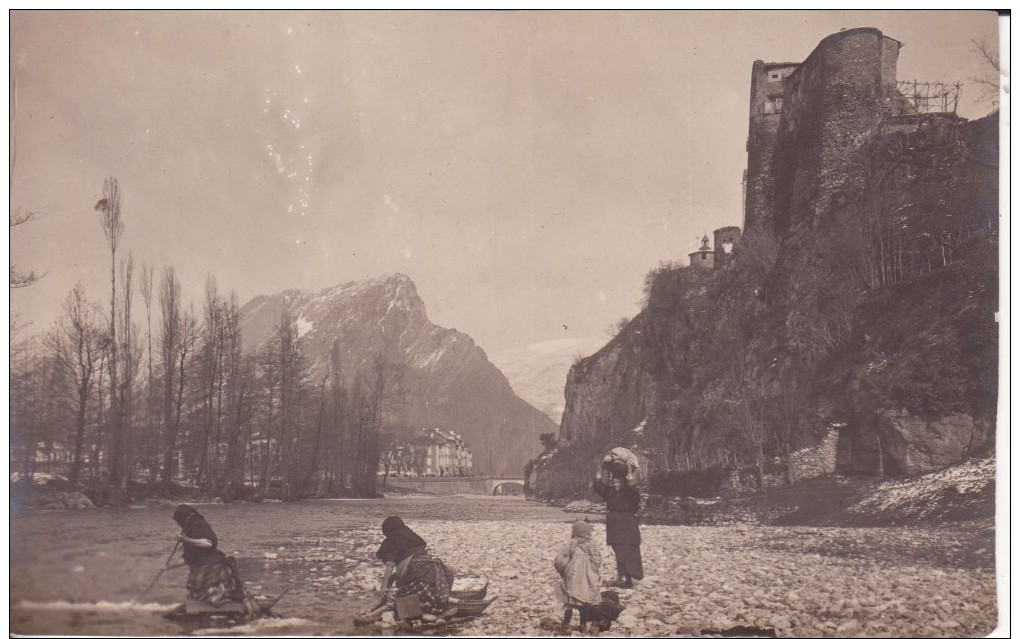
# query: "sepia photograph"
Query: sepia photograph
{"points": [[622, 323]]}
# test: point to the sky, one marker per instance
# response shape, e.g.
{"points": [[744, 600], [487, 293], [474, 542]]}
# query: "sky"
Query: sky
{"points": [[525, 169]]}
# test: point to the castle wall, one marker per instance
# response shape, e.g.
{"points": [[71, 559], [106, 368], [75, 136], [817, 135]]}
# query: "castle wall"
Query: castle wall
{"points": [[810, 157], [807, 463], [761, 140], [723, 237]]}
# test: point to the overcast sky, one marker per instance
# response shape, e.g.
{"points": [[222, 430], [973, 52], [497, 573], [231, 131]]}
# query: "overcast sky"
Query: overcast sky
{"points": [[525, 169]]}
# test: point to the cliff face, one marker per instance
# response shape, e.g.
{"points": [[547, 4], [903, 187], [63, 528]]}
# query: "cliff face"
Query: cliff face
{"points": [[863, 293], [449, 381]]}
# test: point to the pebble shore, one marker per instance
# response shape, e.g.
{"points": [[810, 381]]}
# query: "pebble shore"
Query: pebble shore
{"points": [[872, 582]]}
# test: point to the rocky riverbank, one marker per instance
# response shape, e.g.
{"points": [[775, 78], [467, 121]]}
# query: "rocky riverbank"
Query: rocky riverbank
{"points": [[962, 492], [875, 582]]}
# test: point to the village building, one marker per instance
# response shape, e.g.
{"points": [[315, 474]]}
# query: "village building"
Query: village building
{"points": [[435, 453]]}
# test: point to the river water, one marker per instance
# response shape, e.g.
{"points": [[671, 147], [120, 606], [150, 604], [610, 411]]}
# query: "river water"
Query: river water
{"points": [[80, 572]]}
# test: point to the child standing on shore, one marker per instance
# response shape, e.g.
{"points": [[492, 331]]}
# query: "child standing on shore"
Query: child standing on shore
{"points": [[579, 566]]}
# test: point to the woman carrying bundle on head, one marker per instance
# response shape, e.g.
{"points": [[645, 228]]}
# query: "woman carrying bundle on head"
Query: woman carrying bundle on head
{"points": [[616, 482]]}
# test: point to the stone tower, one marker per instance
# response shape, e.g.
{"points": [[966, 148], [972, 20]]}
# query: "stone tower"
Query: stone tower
{"points": [[810, 124]]}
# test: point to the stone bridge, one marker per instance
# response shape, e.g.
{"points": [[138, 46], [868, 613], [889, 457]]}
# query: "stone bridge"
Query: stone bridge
{"points": [[460, 485]]}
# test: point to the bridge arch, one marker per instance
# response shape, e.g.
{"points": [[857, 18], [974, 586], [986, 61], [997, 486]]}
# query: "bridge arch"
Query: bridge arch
{"points": [[512, 487]]}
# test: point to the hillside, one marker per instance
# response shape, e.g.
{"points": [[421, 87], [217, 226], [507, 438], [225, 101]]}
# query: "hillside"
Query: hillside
{"points": [[854, 328], [449, 381]]}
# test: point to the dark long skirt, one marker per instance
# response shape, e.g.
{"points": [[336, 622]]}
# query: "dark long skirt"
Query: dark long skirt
{"points": [[428, 578], [628, 560], [214, 584]]}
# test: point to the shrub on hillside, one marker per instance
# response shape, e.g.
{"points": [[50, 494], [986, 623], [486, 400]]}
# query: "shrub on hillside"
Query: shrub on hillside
{"points": [[706, 482]]}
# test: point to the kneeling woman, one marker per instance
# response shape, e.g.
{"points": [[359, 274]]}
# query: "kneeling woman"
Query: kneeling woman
{"points": [[212, 578], [411, 570]]}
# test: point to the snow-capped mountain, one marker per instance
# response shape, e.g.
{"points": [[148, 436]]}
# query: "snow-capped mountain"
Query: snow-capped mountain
{"points": [[538, 372], [450, 382]]}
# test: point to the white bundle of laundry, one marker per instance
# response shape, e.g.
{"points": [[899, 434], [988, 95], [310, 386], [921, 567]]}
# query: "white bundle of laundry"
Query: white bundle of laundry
{"points": [[621, 455]]}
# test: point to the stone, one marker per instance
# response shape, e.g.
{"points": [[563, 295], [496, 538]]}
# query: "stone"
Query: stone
{"points": [[921, 446], [77, 500], [851, 628], [627, 620], [780, 622]]}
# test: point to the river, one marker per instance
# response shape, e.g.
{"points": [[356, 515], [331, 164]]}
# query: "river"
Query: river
{"points": [[79, 572]]}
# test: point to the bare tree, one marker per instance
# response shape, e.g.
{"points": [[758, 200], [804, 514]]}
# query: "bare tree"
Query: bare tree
{"points": [[211, 379], [18, 278], [239, 395], [339, 464], [189, 333], [378, 396], [151, 427], [170, 344], [122, 453], [995, 77], [38, 407], [749, 401], [77, 342], [113, 228], [788, 407]]}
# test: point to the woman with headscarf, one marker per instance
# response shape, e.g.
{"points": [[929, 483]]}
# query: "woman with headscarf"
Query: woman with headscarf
{"points": [[411, 570], [615, 483], [212, 577]]}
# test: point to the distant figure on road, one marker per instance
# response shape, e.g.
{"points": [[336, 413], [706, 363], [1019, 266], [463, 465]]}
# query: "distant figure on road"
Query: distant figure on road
{"points": [[615, 482]]}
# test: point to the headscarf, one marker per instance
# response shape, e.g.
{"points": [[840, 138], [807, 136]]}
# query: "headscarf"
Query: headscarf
{"points": [[581, 529], [183, 513], [400, 543], [194, 525]]}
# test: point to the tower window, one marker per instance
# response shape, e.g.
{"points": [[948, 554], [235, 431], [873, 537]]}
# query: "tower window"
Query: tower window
{"points": [[775, 76]]}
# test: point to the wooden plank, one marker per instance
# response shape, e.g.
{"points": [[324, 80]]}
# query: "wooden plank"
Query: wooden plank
{"points": [[193, 607]]}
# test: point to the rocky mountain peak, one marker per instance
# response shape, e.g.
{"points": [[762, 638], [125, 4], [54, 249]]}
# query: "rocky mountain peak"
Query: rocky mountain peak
{"points": [[451, 383]]}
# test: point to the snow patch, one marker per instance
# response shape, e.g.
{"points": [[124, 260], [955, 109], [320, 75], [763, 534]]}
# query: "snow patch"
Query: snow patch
{"points": [[303, 326], [923, 495], [427, 360], [40, 478]]}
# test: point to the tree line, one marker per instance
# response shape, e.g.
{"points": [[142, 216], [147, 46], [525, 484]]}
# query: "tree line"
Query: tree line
{"points": [[125, 406]]}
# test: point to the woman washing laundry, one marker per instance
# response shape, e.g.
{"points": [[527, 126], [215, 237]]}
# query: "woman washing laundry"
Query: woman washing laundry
{"points": [[213, 577], [409, 571]]}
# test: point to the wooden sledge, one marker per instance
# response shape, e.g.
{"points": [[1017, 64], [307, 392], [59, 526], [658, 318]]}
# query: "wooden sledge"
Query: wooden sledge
{"points": [[464, 605], [231, 611], [470, 595], [470, 607], [460, 612]]}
